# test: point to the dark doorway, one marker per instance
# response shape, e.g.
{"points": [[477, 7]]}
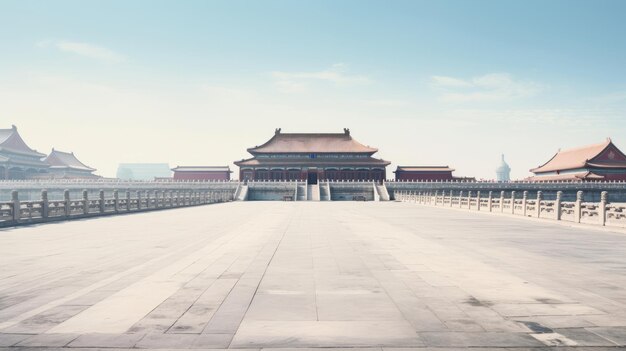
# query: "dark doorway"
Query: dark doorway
{"points": [[312, 177]]}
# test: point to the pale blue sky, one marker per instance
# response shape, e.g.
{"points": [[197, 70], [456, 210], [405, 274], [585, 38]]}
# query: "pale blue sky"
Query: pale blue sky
{"points": [[427, 82]]}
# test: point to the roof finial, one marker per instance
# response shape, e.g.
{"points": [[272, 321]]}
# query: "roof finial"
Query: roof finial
{"points": [[277, 131], [346, 131], [13, 127]]}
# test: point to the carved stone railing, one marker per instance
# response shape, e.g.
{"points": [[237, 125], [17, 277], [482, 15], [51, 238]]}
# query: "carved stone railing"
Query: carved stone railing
{"points": [[600, 213], [16, 212]]}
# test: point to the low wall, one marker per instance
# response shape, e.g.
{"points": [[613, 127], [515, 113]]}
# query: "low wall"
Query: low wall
{"points": [[592, 190], [18, 211], [602, 213], [350, 191], [31, 189], [272, 190]]}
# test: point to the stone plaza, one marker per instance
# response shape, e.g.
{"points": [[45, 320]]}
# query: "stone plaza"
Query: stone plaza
{"points": [[262, 275]]}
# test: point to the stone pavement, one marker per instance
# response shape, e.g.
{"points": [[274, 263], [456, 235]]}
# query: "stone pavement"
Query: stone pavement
{"points": [[305, 275]]}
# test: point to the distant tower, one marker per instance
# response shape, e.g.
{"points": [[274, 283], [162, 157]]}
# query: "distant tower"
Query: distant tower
{"points": [[503, 172]]}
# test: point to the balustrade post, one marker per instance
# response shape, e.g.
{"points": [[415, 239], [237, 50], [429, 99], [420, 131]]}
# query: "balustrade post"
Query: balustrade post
{"points": [[127, 201], [460, 198], [451, 196], [538, 205], [490, 201], [436, 194], [45, 204], [578, 206], [67, 203], [502, 201], [138, 200], [557, 205], [469, 199], [604, 200], [524, 201], [513, 202], [85, 202], [478, 200], [148, 199], [101, 200], [17, 206], [116, 201]]}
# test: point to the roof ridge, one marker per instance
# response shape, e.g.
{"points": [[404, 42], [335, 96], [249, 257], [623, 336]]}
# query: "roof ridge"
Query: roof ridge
{"points": [[604, 143]]}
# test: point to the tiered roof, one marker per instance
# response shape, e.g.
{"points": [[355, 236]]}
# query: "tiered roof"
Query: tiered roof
{"points": [[11, 141], [66, 160], [312, 143], [365, 161], [602, 155]]}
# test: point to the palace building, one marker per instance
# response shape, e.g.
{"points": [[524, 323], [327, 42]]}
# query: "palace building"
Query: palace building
{"points": [[312, 157], [17, 160], [65, 165], [603, 161]]}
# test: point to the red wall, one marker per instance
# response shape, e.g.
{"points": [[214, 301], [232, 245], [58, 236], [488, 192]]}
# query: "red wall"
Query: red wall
{"points": [[201, 175], [404, 175]]}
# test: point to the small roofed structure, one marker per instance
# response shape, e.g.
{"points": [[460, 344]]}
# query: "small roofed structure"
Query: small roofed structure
{"points": [[18, 160], [66, 165], [202, 173], [423, 173], [603, 161]]}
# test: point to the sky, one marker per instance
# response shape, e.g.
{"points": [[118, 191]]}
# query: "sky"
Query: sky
{"points": [[453, 83]]}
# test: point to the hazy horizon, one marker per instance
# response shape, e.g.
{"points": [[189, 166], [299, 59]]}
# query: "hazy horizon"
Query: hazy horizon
{"points": [[427, 83]]}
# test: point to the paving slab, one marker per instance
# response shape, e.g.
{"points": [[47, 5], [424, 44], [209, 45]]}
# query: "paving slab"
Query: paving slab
{"points": [[106, 340], [298, 276], [47, 340]]}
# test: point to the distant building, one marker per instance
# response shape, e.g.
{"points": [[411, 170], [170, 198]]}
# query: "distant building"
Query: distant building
{"points": [[17, 160], [312, 156], [603, 161], [503, 172], [66, 165], [143, 171], [423, 173], [201, 173]]}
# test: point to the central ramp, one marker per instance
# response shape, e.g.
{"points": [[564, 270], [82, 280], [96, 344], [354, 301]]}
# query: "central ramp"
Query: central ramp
{"points": [[313, 192]]}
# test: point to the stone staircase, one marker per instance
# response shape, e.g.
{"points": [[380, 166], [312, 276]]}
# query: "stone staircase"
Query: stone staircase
{"points": [[325, 191], [301, 192], [381, 190], [242, 193]]}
